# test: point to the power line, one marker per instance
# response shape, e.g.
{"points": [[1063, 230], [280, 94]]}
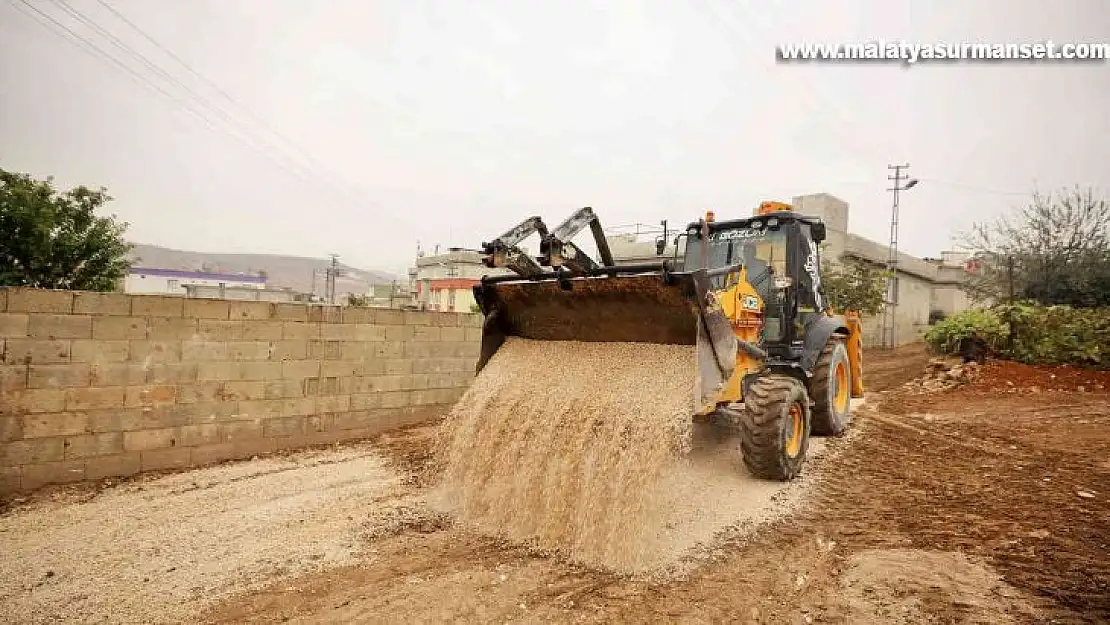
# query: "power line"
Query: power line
{"points": [[967, 187]]}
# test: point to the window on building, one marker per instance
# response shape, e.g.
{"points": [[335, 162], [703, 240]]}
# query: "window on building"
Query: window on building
{"points": [[172, 284]]}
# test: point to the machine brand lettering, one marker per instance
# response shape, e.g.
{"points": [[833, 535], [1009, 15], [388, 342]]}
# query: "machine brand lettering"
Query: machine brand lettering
{"points": [[746, 233]]}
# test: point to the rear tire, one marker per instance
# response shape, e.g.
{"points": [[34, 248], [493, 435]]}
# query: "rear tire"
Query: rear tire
{"points": [[831, 389], [774, 427]]}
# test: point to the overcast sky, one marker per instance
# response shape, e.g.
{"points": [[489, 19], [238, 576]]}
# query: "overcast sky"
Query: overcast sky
{"points": [[448, 121]]}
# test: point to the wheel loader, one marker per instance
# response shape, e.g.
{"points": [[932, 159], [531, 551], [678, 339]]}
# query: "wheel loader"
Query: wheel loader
{"points": [[775, 363]]}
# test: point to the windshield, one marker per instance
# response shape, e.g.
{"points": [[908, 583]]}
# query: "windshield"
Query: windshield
{"points": [[763, 253]]}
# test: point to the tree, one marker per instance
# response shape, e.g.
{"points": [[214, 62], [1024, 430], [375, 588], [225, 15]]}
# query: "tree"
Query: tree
{"points": [[55, 240], [1059, 248], [854, 285]]}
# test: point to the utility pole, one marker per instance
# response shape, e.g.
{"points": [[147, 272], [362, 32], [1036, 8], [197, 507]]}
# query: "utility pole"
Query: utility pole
{"points": [[331, 272], [890, 316]]}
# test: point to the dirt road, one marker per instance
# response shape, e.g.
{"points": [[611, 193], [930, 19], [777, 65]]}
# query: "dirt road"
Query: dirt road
{"points": [[987, 504]]}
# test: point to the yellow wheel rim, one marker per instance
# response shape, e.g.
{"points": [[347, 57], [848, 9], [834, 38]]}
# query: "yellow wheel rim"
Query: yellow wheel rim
{"points": [[840, 398], [797, 430]]}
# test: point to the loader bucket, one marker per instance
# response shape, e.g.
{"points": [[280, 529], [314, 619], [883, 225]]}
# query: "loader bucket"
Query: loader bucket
{"points": [[674, 308]]}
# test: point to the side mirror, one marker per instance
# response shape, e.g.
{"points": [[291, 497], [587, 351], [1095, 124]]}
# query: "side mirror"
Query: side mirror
{"points": [[818, 232], [660, 246]]}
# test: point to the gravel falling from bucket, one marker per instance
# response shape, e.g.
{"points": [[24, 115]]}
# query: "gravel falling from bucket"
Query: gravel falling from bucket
{"points": [[563, 446]]}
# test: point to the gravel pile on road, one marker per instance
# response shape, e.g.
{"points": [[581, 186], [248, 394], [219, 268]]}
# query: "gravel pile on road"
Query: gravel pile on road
{"points": [[562, 445], [943, 375]]}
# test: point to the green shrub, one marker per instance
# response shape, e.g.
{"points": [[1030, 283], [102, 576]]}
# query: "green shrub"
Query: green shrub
{"points": [[1041, 334]]}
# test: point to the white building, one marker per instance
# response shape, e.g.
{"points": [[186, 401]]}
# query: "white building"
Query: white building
{"points": [[173, 281]]}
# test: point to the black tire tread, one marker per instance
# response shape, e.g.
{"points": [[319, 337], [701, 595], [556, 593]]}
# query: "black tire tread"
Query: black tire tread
{"points": [[823, 418], [760, 427]]}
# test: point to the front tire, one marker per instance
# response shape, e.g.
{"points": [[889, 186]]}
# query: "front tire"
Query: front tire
{"points": [[774, 427]]}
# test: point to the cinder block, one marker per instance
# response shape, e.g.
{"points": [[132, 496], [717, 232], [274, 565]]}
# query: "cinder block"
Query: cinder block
{"points": [[336, 368], [206, 308], [398, 333], [10, 477], [93, 445], [208, 412], [289, 350], [32, 401], [202, 434], [23, 300], [259, 370], [284, 389], [13, 378], [452, 334], [473, 335], [388, 349], [396, 399], [297, 369], [249, 310], [387, 317], [45, 425], [319, 423], [331, 350], [444, 319], [38, 475], [219, 330], [365, 401], [157, 306], [219, 370], [150, 352], [94, 398], [298, 406], [354, 314], [427, 333], [369, 367], [398, 366], [371, 333], [261, 408], [116, 374], [241, 430], [164, 459], [283, 426], [248, 350], [172, 373], [172, 329], [243, 390], [11, 428], [414, 382], [289, 312], [417, 318], [36, 351], [94, 303], [150, 395], [31, 451], [58, 376], [422, 350], [100, 352], [119, 465], [471, 320], [357, 420], [14, 325], [311, 386], [201, 351], [324, 314], [297, 330], [338, 332], [142, 440], [333, 403], [119, 328], [262, 330]]}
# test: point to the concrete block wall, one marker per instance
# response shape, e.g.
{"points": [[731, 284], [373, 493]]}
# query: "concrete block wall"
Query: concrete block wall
{"points": [[94, 385]]}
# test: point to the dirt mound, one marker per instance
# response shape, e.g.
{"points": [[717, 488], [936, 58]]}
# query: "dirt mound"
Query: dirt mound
{"points": [[574, 465], [1016, 377], [605, 466], [943, 374]]}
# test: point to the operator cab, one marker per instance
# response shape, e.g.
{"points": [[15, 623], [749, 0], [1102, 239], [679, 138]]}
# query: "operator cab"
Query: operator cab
{"points": [[778, 248]]}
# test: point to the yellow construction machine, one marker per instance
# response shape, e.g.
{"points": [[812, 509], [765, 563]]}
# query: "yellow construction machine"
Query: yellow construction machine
{"points": [[774, 360]]}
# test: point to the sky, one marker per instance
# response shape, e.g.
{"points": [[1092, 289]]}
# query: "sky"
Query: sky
{"points": [[364, 128]]}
